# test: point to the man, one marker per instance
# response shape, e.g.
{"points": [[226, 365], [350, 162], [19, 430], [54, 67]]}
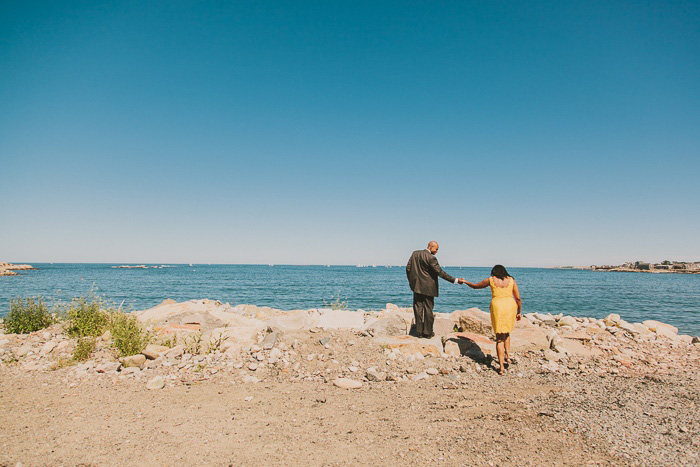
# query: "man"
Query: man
{"points": [[423, 271]]}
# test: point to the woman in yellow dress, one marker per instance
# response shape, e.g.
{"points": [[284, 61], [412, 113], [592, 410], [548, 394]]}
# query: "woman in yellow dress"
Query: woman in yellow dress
{"points": [[506, 308]]}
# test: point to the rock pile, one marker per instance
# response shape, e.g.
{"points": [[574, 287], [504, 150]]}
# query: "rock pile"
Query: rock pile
{"points": [[205, 339], [8, 269]]}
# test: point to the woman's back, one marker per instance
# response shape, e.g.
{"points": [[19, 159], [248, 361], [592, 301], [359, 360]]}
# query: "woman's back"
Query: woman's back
{"points": [[501, 288]]}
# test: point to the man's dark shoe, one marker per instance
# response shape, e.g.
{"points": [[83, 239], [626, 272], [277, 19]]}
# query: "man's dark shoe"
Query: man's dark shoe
{"points": [[428, 336]]}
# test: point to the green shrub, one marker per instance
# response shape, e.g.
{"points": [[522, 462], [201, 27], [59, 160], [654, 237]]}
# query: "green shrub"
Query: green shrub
{"points": [[85, 317], [127, 335], [29, 315], [84, 348]]}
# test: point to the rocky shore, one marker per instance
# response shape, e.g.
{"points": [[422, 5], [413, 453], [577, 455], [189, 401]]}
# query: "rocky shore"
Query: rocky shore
{"points": [[8, 269], [221, 384]]}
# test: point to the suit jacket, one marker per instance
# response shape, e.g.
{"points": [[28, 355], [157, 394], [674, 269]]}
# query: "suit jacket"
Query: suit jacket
{"points": [[423, 271]]}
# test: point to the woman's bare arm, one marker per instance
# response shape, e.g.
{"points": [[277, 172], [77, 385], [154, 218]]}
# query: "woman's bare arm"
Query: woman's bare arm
{"points": [[516, 296], [480, 285]]}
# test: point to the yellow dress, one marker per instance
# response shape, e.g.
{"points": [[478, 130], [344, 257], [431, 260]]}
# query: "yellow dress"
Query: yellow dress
{"points": [[503, 307]]}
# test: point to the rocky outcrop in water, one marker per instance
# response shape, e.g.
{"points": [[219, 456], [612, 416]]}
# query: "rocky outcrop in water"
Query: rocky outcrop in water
{"points": [[8, 269]]}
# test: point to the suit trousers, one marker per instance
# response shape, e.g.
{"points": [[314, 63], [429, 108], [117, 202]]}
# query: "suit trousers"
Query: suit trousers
{"points": [[423, 313]]}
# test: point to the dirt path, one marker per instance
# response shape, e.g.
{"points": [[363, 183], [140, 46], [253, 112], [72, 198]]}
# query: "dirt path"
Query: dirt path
{"points": [[100, 422]]}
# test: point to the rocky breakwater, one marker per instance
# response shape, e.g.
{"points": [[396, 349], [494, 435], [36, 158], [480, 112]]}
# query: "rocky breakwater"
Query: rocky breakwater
{"points": [[203, 340], [8, 269]]}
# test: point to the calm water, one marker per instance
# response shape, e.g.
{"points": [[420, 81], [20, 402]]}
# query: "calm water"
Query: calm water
{"points": [[673, 299]]}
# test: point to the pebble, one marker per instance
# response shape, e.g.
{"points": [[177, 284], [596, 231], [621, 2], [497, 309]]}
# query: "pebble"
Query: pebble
{"points": [[347, 383], [156, 383]]}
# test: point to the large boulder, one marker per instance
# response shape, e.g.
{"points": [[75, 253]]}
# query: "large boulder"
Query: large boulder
{"points": [[469, 344], [474, 321], [338, 319], [391, 324], [527, 336], [409, 345], [661, 329], [296, 320]]}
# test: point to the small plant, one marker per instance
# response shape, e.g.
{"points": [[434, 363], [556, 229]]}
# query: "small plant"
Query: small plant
{"points": [[127, 335], [193, 343], [29, 315], [84, 348], [337, 303], [215, 343], [86, 318]]}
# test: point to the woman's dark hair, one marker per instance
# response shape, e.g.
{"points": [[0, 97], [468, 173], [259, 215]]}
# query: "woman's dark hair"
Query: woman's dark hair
{"points": [[500, 272]]}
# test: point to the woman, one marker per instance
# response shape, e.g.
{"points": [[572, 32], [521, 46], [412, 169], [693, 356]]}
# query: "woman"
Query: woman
{"points": [[506, 307]]}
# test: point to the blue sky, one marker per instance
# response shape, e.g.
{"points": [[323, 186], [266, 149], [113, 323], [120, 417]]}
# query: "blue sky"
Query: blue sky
{"points": [[522, 133]]}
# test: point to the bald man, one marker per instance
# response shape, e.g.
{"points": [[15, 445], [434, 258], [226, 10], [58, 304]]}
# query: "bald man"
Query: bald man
{"points": [[423, 271]]}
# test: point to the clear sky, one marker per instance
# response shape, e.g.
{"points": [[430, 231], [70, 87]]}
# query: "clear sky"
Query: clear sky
{"points": [[522, 133]]}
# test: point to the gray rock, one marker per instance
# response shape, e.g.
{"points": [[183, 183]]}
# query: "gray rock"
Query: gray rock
{"points": [[324, 340], [156, 383]]}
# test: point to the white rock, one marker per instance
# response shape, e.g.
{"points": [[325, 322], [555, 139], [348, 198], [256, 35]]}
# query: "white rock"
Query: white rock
{"points": [[432, 371], [48, 347], [420, 376], [347, 383], [156, 383]]}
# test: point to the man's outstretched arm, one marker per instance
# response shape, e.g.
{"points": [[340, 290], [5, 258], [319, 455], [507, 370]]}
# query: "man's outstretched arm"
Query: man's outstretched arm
{"points": [[436, 267]]}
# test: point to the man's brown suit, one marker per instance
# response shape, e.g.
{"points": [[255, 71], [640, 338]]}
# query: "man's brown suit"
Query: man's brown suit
{"points": [[423, 271]]}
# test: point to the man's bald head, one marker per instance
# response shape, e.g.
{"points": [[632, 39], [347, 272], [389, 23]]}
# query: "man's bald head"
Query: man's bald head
{"points": [[433, 246]]}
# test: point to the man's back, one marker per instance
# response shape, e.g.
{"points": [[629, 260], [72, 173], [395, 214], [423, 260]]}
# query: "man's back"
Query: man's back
{"points": [[422, 271]]}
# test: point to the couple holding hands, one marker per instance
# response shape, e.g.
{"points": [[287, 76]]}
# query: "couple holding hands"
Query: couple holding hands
{"points": [[423, 271]]}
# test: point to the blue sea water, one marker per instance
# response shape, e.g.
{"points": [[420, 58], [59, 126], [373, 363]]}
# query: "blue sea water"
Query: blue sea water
{"points": [[670, 298]]}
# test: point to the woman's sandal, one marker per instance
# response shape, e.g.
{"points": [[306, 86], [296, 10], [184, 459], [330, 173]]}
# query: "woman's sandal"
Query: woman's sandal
{"points": [[501, 372]]}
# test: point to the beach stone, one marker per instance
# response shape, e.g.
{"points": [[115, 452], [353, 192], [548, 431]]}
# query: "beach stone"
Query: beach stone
{"points": [[132, 370], [474, 321], [612, 319], [420, 376], [276, 353], [578, 335], [475, 346], [696, 340], [551, 355], [373, 375], [270, 340], [391, 325], [133, 361], [175, 352], [409, 345], [23, 350], [347, 383], [250, 379], [156, 383], [443, 326], [253, 366], [153, 351], [662, 329], [432, 371], [291, 321], [338, 319], [48, 347], [107, 367], [568, 321]]}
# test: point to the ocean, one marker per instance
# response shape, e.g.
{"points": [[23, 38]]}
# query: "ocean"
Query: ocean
{"points": [[670, 298]]}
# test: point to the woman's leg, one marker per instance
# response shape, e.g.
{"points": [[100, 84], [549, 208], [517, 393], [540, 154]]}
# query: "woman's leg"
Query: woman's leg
{"points": [[507, 348], [500, 349]]}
